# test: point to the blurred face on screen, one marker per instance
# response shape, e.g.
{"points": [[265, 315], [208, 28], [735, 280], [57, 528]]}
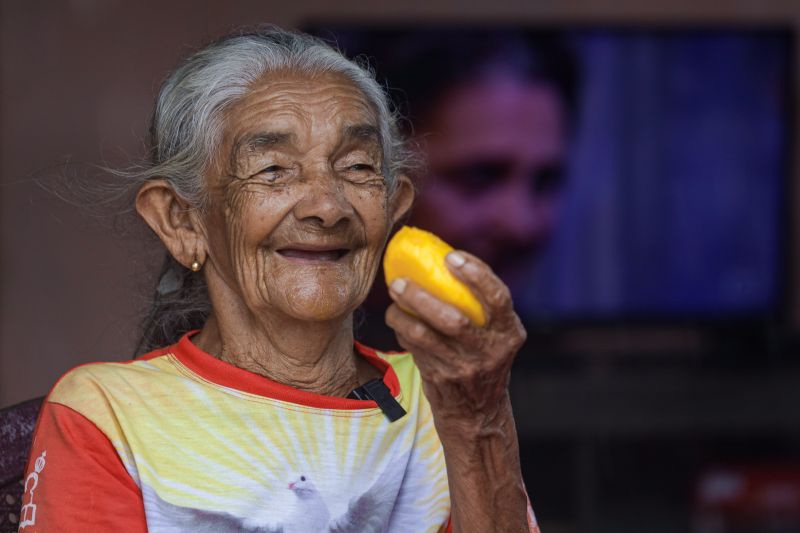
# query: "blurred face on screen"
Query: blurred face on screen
{"points": [[495, 151]]}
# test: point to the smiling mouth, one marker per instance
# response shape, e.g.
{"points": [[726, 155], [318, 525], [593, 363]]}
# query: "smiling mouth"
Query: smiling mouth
{"points": [[316, 256]]}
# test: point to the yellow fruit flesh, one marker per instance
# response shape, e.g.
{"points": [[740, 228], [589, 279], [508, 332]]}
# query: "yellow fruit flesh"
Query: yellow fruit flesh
{"points": [[418, 256]]}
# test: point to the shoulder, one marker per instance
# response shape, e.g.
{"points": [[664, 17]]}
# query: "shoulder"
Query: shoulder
{"points": [[91, 386]]}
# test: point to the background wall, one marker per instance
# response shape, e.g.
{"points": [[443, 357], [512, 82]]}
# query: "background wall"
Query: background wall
{"points": [[77, 81]]}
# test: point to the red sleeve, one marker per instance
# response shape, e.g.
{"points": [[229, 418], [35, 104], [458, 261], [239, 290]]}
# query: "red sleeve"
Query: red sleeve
{"points": [[75, 481]]}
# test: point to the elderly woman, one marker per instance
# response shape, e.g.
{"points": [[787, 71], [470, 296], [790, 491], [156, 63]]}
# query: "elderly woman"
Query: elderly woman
{"points": [[276, 177]]}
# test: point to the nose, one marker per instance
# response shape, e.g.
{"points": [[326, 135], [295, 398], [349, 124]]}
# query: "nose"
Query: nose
{"points": [[324, 202]]}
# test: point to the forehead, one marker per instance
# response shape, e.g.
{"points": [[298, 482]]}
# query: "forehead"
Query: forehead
{"points": [[303, 105]]}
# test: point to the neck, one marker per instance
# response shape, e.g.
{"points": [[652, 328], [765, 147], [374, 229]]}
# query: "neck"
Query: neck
{"points": [[315, 357]]}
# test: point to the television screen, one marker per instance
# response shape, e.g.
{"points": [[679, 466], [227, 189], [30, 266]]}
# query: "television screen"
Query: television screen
{"points": [[603, 173]]}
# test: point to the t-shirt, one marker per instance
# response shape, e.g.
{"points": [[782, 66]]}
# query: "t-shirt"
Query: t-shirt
{"points": [[179, 440]]}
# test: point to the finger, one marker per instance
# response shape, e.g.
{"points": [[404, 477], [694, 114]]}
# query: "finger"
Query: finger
{"points": [[416, 336], [485, 284], [442, 316]]}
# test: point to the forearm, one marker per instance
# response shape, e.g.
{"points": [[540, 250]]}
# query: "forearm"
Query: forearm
{"points": [[483, 470], [465, 372]]}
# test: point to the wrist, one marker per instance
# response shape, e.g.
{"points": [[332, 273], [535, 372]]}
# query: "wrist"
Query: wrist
{"points": [[477, 428], [473, 421]]}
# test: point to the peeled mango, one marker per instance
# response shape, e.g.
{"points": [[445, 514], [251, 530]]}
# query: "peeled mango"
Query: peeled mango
{"points": [[418, 256]]}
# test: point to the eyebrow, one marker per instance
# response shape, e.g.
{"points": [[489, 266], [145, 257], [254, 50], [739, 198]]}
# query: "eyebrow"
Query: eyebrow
{"points": [[253, 142], [362, 131]]}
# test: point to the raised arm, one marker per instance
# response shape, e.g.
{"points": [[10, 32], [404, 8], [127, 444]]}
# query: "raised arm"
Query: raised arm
{"points": [[465, 371]]}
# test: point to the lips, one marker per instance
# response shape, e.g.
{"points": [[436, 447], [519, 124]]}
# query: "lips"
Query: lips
{"points": [[304, 253]]}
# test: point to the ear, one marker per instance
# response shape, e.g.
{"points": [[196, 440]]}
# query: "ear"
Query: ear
{"points": [[174, 221], [401, 200]]}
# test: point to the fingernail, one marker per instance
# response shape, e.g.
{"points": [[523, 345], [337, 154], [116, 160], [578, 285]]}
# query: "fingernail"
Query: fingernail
{"points": [[399, 285], [455, 259]]}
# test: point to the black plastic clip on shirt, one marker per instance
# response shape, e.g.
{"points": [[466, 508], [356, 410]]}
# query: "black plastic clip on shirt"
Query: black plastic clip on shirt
{"points": [[377, 391]]}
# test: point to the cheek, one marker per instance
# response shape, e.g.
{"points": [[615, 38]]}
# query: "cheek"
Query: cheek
{"points": [[247, 213], [372, 208], [237, 225], [250, 217], [376, 229]]}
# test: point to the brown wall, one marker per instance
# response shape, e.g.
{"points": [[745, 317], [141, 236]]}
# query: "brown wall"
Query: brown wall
{"points": [[77, 81]]}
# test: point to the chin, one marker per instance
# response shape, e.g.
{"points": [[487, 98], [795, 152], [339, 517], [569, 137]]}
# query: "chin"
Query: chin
{"points": [[318, 303]]}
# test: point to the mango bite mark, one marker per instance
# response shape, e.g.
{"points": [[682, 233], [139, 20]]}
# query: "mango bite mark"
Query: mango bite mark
{"points": [[418, 255]]}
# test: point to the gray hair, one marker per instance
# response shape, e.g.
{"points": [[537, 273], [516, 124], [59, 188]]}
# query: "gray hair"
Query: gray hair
{"points": [[186, 131], [188, 118]]}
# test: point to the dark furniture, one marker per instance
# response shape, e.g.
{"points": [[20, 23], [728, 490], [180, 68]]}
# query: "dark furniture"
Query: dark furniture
{"points": [[16, 432]]}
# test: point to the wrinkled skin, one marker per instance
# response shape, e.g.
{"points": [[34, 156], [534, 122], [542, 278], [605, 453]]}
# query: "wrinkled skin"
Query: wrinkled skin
{"points": [[298, 214], [466, 366], [465, 372], [297, 220], [320, 189]]}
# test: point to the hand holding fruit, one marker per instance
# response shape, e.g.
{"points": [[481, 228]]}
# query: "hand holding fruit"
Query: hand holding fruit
{"points": [[460, 326], [419, 256]]}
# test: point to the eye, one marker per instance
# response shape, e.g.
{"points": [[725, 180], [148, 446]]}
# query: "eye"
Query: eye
{"points": [[302, 478], [272, 169], [270, 173], [361, 167]]}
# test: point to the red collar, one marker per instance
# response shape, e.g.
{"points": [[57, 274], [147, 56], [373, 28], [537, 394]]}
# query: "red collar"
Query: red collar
{"points": [[227, 375]]}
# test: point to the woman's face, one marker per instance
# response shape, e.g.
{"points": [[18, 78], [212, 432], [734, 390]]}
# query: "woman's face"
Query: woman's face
{"points": [[299, 211]]}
